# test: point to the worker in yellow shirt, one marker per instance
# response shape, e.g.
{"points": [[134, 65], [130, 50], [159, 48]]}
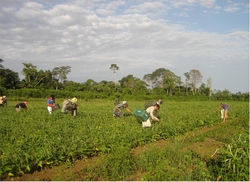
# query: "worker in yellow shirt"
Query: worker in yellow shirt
{"points": [[74, 101]]}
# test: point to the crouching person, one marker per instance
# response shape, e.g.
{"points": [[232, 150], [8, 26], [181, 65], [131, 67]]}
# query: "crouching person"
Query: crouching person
{"points": [[151, 111], [21, 105], [117, 110], [71, 105], [65, 104], [74, 101], [152, 103]]}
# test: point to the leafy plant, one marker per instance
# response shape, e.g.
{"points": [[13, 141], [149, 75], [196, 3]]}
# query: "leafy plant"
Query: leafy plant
{"points": [[234, 160]]}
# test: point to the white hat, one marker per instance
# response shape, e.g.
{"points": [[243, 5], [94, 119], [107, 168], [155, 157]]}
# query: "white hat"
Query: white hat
{"points": [[124, 102]]}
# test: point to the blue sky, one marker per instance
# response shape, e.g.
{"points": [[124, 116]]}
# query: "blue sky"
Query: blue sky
{"points": [[211, 36]]}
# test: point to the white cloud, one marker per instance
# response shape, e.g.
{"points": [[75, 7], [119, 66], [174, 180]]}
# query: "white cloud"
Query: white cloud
{"points": [[33, 5], [231, 9], [205, 3], [217, 7], [105, 12], [69, 34], [147, 6]]}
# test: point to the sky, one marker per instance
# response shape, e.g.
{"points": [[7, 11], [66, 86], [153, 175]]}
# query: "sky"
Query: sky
{"points": [[140, 36]]}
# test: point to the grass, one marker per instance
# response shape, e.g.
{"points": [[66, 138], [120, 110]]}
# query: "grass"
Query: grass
{"points": [[34, 139]]}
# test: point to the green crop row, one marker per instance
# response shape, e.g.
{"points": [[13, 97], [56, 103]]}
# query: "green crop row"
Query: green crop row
{"points": [[33, 139]]}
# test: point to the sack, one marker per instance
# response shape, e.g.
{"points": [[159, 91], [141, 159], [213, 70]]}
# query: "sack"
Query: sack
{"points": [[150, 103], [146, 123], [70, 106], [141, 114], [222, 114], [118, 113], [56, 107]]}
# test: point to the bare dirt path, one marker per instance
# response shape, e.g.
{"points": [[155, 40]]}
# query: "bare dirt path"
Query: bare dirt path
{"points": [[205, 148]]}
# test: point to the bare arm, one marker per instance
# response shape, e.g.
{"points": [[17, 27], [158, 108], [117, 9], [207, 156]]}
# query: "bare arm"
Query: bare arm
{"points": [[217, 109], [152, 115], [129, 110], [118, 108]]}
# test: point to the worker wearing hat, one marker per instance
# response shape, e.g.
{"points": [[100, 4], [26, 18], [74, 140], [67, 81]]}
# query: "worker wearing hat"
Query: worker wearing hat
{"points": [[117, 110], [21, 105]]}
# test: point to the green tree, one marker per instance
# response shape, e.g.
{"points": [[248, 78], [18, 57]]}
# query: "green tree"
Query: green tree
{"points": [[187, 81], [179, 82], [114, 68], [159, 76], [202, 88], [1, 66], [60, 73], [209, 85], [29, 71], [139, 87], [170, 81], [169, 84], [39, 76], [9, 79], [127, 81]]}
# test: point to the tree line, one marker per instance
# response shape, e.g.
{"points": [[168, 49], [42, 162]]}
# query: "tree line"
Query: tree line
{"points": [[161, 82]]}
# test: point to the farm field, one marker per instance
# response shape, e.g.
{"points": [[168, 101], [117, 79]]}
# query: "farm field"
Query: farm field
{"points": [[33, 140]]}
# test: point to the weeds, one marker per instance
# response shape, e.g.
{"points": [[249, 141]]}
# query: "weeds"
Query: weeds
{"points": [[34, 139]]}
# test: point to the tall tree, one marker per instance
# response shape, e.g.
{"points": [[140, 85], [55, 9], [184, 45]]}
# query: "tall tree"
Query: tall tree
{"points": [[169, 84], [209, 84], [202, 88], [39, 77], [170, 80], [29, 71], [114, 68], [149, 79], [159, 75], [127, 81], [60, 73], [1, 66], [195, 78], [187, 81], [179, 82], [9, 79]]}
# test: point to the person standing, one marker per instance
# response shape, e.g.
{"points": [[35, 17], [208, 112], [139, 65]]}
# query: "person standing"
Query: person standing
{"points": [[50, 102], [226, 109], [21, 105], [151, 111]]}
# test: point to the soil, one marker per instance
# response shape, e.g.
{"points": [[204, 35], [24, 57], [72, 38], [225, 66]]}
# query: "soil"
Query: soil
{"points": [[205, 149]]}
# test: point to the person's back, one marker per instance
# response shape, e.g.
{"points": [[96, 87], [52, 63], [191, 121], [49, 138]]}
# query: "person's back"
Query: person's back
{"points": [[149, 103]]}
